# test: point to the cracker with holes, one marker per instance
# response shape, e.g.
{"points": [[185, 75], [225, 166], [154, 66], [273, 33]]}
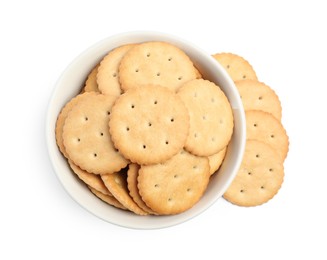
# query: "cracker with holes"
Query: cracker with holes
{"points": [[175, 185], [216, 160], [236, 66], [91, 81], [86, 136], [132, 174], [106, 198], [149, 124], [157, 63], [92, 180], [259, 178], [107, 77], [62, 117], [211, 117], [256, 95], [117, 185], [265, 127]]}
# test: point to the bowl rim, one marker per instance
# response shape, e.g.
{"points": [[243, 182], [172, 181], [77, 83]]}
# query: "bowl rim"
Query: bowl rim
{"points": [[143, 36]]}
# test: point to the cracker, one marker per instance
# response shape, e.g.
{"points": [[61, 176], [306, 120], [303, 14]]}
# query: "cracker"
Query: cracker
{"points": [[236, 66], [106, 198], [132, 174], [61, 120], [157, 63], [108, 77], [259, 178], [198, 73], [216, 160], [91, 81], [86, 135], [149, 124], [117, 185], [90, 179], [265, 127], [175, 185], [211, 117], [256, 95]]}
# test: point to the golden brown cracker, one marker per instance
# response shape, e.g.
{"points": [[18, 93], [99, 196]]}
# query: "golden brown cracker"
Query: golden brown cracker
{"points": [[216, 160], [211, 117], [90, 179], [256, 95], [132, 174], [198, 73], [117, 185], [86, 136], [156, 63], [259, 178], [175, 185], [236, 66], [111, 200], [91, 81], [108, 76], [265, 127], [61, 120], [149, 124]]}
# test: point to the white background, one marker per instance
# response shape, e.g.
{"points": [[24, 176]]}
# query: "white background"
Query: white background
{"points": [[285, 41]]}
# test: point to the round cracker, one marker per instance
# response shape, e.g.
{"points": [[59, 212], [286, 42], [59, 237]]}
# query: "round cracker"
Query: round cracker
{"points": [[256, 95], [149, 124], [132, 174], [265, 127], [157, 63], [86, 136], [211, 117], [92, 180], [106, 198], [216, 160], [236, 66], [91, 81], [108, 77], [259, 178], [61, 120], [117, 185], [175, 185]]}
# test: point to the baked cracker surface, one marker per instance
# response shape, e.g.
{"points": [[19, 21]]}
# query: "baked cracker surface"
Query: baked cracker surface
{"points": [[108, 76], [86, 136], [263, 126], [106, 198], [92, 180], [256, 95], [216, 160], [62, 117], [175, 185], [91, 81], [149, 124], [259, 178], [132, 174], [117, 185], [157, 63], [211, 117], [236, 66]]}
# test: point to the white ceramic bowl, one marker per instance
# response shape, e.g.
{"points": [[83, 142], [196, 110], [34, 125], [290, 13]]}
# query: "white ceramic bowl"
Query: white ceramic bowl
{"points": [[69, 84]]}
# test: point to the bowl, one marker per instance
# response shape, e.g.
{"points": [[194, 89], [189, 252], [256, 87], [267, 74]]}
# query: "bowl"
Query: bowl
{"points": [[69, 85]]}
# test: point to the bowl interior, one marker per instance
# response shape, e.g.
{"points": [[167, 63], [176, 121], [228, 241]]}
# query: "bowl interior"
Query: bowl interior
{"points": [[69, 85]]}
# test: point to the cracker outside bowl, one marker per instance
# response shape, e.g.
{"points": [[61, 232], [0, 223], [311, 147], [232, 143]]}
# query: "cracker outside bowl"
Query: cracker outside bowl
{"points": [[74, 76]]}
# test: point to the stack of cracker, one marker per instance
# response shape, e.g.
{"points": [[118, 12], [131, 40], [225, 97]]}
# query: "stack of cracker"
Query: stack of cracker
{"points": [[261, 173], [146, 132]]}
